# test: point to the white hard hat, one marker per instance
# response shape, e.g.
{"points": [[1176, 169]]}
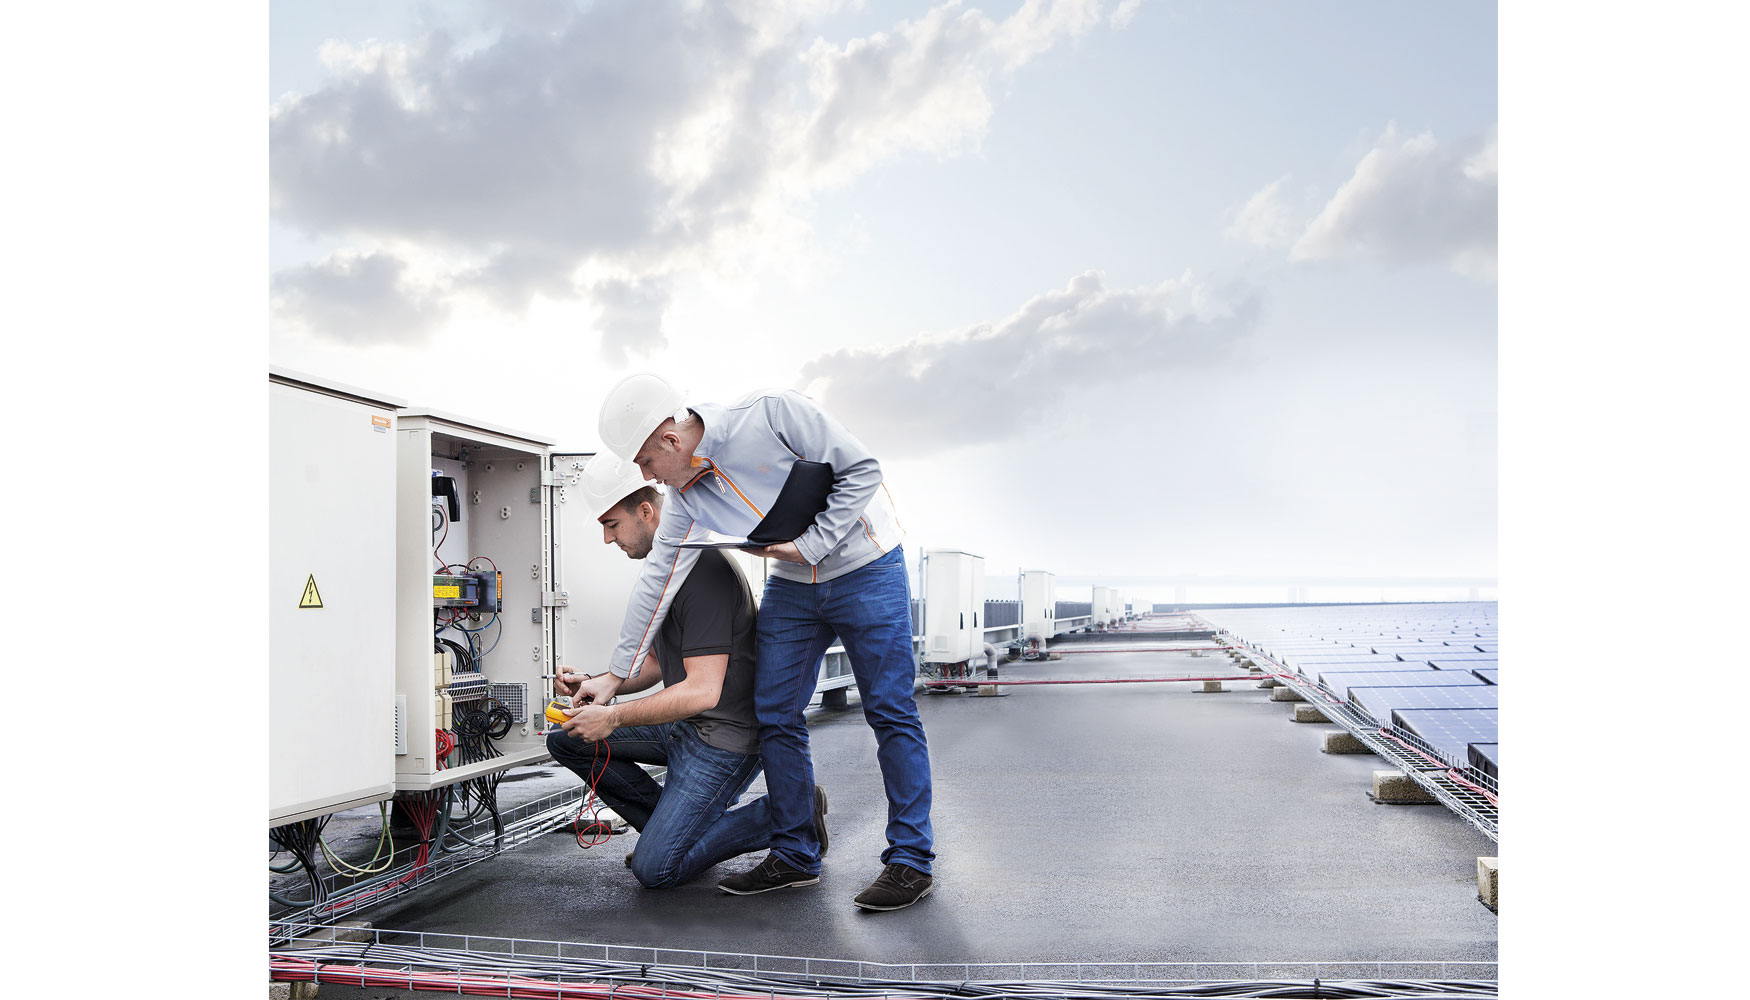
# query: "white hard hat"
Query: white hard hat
{"points": [[606, 481], [635, 408]]}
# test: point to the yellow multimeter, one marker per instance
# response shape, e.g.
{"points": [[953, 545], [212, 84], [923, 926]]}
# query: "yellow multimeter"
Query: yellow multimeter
{"points": [[556, 711]]}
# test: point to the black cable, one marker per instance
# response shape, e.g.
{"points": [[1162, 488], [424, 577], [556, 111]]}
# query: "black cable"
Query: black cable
{"points": [[464, 659], [301, 839]]}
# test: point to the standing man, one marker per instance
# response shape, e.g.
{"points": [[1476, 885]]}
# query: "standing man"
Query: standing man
{"points": [[843, 577], [701, 725]]}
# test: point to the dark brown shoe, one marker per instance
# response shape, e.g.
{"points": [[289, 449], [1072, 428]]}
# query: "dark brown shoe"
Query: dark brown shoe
{"points": [[898, 887], [769, 874]]}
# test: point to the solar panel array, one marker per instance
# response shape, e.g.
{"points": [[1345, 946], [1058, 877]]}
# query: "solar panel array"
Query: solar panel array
{"points": [[1426, 670]]}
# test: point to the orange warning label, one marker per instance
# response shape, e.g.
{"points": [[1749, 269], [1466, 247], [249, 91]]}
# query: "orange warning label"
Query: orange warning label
{"points": [[380, 423], [311, 598]]}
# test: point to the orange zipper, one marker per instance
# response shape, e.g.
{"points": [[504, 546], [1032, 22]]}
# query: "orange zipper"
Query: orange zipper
{"points": [[737, 490]]}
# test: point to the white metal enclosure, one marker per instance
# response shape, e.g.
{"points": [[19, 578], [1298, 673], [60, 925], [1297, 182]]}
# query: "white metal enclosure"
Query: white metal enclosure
{"points": [[331, 597], [953, 606], [1105, 605], [1038, 603]]}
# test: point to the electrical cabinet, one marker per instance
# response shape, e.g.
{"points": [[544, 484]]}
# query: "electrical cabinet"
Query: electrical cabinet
{"points": [[471, 499], [1105, 605], [953, 606], [331, 596], [1038, 604]]}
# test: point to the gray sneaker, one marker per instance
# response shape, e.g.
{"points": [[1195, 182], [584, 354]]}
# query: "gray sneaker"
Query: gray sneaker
{"points": [[769, 874], [898, 887]]}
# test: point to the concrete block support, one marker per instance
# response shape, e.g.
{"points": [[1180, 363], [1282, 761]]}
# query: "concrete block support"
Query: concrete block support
{"points": [[834, 700], [293, 991], [1281, 693], [1489, 882], [1344, 742], [1308, 713], [1269, 682], [1396, 788], [1212, 687]]}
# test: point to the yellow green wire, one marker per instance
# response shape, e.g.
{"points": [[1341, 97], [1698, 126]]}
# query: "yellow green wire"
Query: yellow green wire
{"points": [[339, 865]]}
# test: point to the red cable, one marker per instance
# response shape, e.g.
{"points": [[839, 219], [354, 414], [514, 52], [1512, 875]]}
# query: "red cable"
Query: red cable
{"points": [[598, 837], [288, 969], [969, 682], [1149, 649]]}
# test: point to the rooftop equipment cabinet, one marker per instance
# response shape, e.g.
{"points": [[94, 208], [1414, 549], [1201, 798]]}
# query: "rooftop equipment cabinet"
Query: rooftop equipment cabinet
{"points": [[331, 597], [1105, 606], [1038, 604], [496, 553], [953, 606]]}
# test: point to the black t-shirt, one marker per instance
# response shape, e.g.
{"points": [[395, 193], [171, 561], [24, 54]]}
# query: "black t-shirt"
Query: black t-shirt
{"points": [[713, 613]]}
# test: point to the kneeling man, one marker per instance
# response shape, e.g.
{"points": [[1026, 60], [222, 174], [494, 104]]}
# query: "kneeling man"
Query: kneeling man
{"points": [[701, 726]]}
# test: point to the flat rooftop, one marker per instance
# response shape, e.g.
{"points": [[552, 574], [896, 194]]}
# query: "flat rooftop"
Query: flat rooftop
{"points": [[1074, 824]]}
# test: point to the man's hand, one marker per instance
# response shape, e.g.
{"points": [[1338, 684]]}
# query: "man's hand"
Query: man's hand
{"points": [[566, 681], [783, 552], [590, 722], [597, 690]]}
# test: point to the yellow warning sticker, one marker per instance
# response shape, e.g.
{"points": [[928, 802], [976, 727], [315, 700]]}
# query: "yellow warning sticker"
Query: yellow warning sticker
{"points": [[453, 593], [311, 598]]}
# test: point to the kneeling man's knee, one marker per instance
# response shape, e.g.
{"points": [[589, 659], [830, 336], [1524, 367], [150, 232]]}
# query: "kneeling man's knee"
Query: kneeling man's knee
{"points": [[652, 874]]}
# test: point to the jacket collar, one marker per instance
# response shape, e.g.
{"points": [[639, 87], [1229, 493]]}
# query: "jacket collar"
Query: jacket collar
{"points": [[711, 418], [714, 418]]}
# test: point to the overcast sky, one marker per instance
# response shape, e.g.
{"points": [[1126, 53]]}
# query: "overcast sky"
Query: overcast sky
{"points": [[1139, 289]]}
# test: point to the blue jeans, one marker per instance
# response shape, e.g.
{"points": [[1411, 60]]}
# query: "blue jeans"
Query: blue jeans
{"points": [[684, 825], [869, 611]]}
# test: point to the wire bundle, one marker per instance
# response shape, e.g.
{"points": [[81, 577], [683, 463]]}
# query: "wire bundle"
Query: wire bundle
{"points": [[386, 837], [301, 839], [530, 976], [478, 726]]}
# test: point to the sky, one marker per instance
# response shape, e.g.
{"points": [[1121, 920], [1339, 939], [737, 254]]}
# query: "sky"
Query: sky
{"points": [[1178, 290]]}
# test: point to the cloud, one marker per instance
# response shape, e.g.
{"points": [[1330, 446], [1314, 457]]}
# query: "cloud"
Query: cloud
{"points": [[1413, 201], [356, 298], [1125, 13], [624, 140], [1047, 362], [630, 318], [1264, 220]]}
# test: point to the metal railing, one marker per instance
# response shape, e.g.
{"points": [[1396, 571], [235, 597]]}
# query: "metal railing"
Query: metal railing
{"points": [[421, 959]]}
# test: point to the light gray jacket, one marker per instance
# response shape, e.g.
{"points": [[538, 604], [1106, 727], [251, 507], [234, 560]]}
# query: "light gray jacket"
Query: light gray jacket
{"points": [[742, 462]]}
